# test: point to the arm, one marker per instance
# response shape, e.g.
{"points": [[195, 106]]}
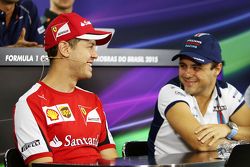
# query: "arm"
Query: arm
{"points": [[107, 144], [41, 160], [214, 132], [21, 42], [186, 126], [247, 96], [35, 30], [28, 126], [239, 113], [242, 119], [109, 153]]}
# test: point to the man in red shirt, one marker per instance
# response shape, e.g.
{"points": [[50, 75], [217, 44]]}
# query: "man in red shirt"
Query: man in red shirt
{"points": [[56, 121]]}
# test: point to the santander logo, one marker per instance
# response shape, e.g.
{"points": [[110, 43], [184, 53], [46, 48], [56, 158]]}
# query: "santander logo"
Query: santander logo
{"points": [[71, 142], [55, 142], [80, 141]]}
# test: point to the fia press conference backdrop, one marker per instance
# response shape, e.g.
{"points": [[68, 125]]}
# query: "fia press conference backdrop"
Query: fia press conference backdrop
{"points": [[129, 93]]}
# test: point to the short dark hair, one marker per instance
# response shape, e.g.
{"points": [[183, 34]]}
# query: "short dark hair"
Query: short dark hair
{"points": [[215, 64], [52, 52]]}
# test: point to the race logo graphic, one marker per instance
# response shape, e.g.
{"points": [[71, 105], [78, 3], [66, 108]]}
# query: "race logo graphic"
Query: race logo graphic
{"points": [[52, 114], [55, 142], [60, 30], [58, 113], [65, 111], [26, 146]]}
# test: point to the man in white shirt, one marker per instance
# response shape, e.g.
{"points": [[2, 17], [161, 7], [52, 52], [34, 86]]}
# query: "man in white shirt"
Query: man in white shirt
{"points": [[196, 111]]}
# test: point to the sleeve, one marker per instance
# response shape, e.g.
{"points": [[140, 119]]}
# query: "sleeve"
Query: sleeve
{"points": [[247, 95], [234, 99], [168, 96], [30, 139], [35, 31], [106, 139]]}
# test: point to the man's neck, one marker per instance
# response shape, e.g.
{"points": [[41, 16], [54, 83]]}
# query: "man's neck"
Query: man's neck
{"points": [[60, 80], [59, 10], [203, 100]]}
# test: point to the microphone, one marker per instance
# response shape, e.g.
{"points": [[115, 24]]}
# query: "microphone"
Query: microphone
{"points": [[46, 59]]}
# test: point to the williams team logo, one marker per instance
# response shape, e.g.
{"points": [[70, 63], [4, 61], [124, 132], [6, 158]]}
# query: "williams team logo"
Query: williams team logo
{"points": [[191, 43], [219, 108]]}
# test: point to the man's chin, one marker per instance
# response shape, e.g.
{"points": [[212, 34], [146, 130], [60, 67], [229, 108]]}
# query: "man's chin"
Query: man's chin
{"points": [[189, 91], [87, 76]]}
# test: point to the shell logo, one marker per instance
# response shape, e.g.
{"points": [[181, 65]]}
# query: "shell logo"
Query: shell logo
{"points": [[52, 114]]}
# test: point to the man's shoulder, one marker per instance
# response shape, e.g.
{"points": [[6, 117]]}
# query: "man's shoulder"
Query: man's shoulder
{"points": [[228, 92], [224, 86], [174, 81], [48, 17], [28, 7], [173, 85], [29, 4], [30, 92], [173, 91], [85, 92]]}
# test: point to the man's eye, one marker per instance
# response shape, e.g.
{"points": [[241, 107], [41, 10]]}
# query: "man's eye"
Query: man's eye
{"points": [[197, 68]]}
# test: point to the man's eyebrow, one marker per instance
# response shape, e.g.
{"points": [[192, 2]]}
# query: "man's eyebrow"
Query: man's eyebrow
{"points": [[193, 65], [197, 64]]}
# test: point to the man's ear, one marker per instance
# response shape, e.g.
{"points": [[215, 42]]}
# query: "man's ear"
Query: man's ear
{"points": [[64, 49], [218, 68]]}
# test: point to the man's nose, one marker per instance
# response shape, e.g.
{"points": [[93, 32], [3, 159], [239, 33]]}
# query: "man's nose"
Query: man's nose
{"points": [[188, 71], [94, 53]]}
